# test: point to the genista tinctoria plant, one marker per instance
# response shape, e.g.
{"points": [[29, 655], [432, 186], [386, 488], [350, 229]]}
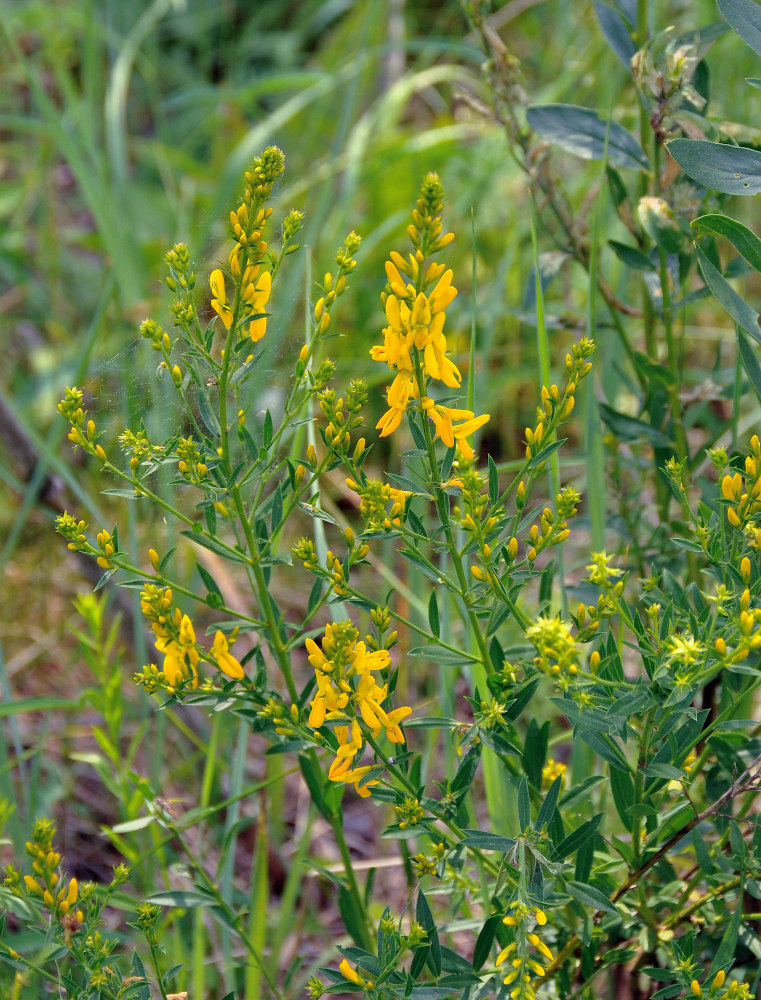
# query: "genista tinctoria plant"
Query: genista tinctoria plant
{"points": [[587, 808]]}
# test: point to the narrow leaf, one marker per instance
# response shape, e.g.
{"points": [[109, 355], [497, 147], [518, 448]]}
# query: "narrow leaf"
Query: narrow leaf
{"points": [[727, 297]]}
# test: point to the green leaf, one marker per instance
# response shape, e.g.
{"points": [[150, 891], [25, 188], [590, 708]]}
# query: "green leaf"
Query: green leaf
{"points": [[493, 481], [606, 747], [485, 941], [207, 543], [727, 297], [352, 917], [719, 167], [589, 896], [211, 585], [631, 256], [622, 787], [628, 428], [577, 838], [524, 805], [267, 430], [426, 921], [725, 953], [616, 32], [744, 17], [487, 841], [317, 512], [547, 810], [742, 239], [433, 614], [581, 132]]}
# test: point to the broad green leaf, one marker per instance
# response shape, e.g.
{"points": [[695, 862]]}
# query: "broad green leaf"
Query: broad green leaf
{"points": [[589, 896], [717, 166], [737, 308], [742, 239], [744, 17], [581, 132]]}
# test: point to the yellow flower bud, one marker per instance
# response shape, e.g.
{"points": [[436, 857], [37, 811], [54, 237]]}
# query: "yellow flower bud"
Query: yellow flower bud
{"points": [[594, 661], [745, 570], [311, 455], [720, 646], [154, 558], [512, 548], [304, 354], [718, 980], [695, 988], [100, 453], [299, 475]]}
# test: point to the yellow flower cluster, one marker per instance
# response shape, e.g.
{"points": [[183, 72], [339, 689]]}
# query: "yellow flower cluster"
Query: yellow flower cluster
{"points": [[176, 639], [744, 492], [414, 344], [347, 691], [381, 506], [553, 528], [58, 896], [735, 990], [81, 433], [556, 648], [552, 770], [528, 955]]}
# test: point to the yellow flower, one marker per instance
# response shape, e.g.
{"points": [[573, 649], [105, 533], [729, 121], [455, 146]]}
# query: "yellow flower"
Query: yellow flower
{"points": [[219, 298], [256, 293], [180, 654], [443, 418], [226, 662], [352, 975]]}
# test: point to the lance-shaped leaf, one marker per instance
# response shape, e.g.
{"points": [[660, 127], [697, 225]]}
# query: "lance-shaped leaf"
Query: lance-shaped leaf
{"points": [[717, 166], [581, 132], [737, 308]]}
